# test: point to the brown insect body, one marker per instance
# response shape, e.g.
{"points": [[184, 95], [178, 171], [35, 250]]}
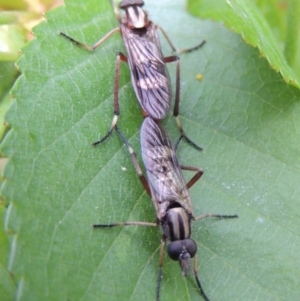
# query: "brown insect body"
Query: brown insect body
{"points": [[170, 196], [149, 75], [167, 185]]}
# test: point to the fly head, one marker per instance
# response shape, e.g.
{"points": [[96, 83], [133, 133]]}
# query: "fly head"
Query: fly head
{"points": [[182, 251], [124, 3]]}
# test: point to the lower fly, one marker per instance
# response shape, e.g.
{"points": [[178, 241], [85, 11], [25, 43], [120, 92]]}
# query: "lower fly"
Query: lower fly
{"points": [[170, 196]]}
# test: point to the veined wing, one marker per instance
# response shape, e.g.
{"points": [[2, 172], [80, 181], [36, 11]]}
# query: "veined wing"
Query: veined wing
{"points": [[164, 174], [149, 74]]}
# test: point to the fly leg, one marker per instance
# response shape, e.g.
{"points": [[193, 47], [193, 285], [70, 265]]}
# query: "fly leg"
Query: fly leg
{"points": [[192, 181], [96, 45], [215, 215], [186, 50], [135, 161], [144, 182], [161, 261], [134, 223], [195, 259], [177, 95], [197, 279], [116, 11], [202, 216], [196, 177], [176, 59], [120, 57], [162, 245], [142, 179]]}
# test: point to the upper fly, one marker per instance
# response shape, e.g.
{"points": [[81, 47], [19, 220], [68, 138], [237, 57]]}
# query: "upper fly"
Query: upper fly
{"points": [[148, 71], [149, 75]]}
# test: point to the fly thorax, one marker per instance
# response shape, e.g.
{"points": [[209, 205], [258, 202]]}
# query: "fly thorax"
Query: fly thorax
{"points": [[136, 17], [177, 225]]}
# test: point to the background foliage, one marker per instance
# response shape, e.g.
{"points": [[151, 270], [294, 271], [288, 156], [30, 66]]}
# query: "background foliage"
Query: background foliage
{"points": [[276, 34]]}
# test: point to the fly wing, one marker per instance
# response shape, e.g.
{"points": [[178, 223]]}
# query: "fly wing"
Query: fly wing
{"points": [[164, 174], [149, 75]]}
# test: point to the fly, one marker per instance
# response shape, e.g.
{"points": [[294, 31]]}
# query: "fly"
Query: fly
{"points": [[170, 196], [149, 75]]}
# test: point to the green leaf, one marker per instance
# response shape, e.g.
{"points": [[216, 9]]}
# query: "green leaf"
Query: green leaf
{"points": [[8, 74], [12, 39], [7, 286], [243, 114], [292, 40], [245, 18], [275, 13]]}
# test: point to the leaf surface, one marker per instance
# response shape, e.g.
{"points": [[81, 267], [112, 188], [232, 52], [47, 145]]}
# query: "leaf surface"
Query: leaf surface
{"points": [[245, 18], [243, 114]]}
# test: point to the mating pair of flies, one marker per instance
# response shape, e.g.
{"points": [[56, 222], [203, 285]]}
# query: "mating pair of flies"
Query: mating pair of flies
{"points": [[165, 183]]}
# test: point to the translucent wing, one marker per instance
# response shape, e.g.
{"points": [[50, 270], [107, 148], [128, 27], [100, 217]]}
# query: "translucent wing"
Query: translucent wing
{"points": [[149, 74], [164, 174]]}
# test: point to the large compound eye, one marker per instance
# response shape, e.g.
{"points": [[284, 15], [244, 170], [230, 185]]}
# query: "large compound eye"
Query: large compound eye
{"points": [[125, 3], [190, 246], [175, 249], [181, 249]]}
